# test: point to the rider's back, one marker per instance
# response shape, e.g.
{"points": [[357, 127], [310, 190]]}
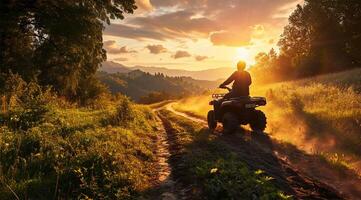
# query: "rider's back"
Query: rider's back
{"points": [[242, 81]]}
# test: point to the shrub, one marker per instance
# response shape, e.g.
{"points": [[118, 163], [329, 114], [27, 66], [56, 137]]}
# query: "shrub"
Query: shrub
{"points": [[27, 103], [124, 112]]}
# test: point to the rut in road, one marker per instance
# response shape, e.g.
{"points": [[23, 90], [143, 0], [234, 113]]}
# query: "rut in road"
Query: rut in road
{"points": [[260, 152], [167, 187]]}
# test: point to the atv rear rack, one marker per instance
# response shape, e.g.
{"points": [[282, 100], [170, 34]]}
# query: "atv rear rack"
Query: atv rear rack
{"points": [[218, 96]]}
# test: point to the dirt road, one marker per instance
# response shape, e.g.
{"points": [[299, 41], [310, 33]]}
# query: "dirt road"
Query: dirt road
{"points": [[297, 173]]}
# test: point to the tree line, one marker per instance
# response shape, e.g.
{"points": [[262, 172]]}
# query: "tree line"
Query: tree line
{"points": [[146, 88], [322, 36]]}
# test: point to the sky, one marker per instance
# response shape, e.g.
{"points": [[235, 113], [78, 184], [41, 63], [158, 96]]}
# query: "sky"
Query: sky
{"points": [[196, 34]]}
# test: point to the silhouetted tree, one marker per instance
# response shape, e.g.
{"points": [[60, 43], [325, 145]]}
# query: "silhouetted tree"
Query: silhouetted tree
{"points": [[57, 43], [322, 36]]}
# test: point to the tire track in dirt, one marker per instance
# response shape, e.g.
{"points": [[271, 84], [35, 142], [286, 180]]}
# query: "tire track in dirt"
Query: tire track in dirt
{"points": [[195, 119], [259, 152], [166, 186]]}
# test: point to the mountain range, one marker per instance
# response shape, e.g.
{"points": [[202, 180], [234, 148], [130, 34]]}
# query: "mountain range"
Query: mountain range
{"points": [[138, 85], [208, 74]]}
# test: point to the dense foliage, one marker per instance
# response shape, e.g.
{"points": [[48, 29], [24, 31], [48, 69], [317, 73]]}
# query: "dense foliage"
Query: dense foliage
{"points": [[52, 149], [57, 43], [322, 36], [147, 88]]}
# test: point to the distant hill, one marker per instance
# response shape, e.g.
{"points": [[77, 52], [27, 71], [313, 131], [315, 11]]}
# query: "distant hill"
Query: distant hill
{"points": [[138, 85], [112, 67], [209, 74]]}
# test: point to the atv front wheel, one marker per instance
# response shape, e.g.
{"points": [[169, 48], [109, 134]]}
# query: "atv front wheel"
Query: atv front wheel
{"points": [[230, 122], [258, 121], [211, 119]]}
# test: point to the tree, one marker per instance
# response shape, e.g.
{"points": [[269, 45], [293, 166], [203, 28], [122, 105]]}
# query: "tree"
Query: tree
{"points": [[323, 36], [57, 43], [271, 67]]}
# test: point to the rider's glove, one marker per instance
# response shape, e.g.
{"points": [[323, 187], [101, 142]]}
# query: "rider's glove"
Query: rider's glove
{"points": [[221, 86]]}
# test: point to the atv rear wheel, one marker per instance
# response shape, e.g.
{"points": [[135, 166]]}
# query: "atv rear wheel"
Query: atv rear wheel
{"points": [[258, 121], [230, 122], [211, 119]]}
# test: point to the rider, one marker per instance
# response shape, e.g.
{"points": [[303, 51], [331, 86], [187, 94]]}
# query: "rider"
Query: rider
{"points": [[242, 81]]}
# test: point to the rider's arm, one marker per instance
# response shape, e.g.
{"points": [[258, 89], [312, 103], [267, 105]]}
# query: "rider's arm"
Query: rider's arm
{"points": [[249, 79], [229, 80]]}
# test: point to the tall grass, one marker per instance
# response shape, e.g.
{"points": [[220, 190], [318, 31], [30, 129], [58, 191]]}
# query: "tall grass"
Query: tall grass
{"points": [[319, 115], [75, 153]]}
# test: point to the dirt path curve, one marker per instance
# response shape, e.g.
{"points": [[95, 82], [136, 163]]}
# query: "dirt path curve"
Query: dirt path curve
{"points": [[294, 170], [195, 119]]}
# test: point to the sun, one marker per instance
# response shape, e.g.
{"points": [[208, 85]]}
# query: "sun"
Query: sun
{"points": [[243, 54]]}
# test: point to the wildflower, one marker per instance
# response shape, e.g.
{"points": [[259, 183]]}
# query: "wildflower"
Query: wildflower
{"points": [[214, 170]]}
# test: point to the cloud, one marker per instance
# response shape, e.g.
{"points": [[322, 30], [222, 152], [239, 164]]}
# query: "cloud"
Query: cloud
{"points": [[178, 22], [121, 59], [178, 3], [258, 31], [133, 32], [124, 49], [156, 49], [144, 5], [230, 38], [226, 22], [200, 58], [109, 43], [112, 48], [181, 54]]}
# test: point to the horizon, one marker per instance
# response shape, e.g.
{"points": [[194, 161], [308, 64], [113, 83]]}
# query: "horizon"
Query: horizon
{"points": [[205, 37], [170, 68]]}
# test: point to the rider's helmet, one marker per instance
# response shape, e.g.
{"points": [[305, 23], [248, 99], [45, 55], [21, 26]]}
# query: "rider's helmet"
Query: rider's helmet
{"points": [[241, 65]]}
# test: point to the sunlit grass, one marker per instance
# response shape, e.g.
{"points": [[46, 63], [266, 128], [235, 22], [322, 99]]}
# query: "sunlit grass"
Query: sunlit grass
{"points": [[321, 114], [80, 153]]}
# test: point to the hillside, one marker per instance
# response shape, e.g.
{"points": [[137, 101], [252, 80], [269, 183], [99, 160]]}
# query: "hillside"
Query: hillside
{"points": [[315, 123], [50, 148], [112, 67], [320, 115], [209, 74], [137, 84]]}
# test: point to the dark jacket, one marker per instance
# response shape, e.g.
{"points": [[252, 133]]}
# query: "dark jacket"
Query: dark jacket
{"points": [[242, 81]]}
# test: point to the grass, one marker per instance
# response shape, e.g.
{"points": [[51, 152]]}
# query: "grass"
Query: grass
{"points": [[320, 114], [212, 168], [51, 150], [336, 160], [78, 153]]}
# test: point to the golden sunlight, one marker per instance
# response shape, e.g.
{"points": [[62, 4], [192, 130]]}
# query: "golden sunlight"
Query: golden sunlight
{"points": [[243, 54]]}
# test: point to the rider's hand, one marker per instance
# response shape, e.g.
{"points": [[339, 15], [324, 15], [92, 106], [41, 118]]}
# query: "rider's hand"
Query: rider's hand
{"points": [[221, 86]]}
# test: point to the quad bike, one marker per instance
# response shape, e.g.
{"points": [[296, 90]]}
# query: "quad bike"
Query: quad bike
{"points": [[233, 112]]}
